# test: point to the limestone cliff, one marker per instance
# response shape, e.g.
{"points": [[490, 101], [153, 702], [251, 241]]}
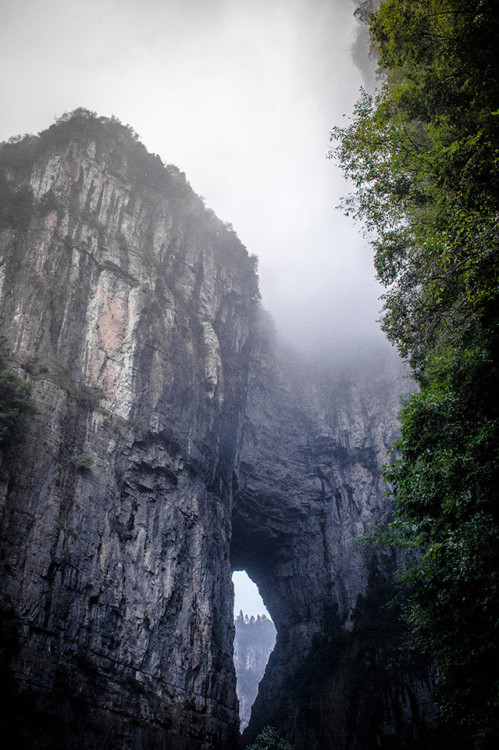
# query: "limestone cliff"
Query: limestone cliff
{"points": [[170, 443], [310, 489], [363, 49], [128, 306]]}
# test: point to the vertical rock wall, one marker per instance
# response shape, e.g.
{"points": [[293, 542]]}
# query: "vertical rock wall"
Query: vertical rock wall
{"points": [[169, 443], [310, 488], [253, 643], [128, 307]]}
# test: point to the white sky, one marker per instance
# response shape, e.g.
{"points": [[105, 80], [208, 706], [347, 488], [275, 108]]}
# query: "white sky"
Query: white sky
{"points": [[241, 95], [246, 595]]}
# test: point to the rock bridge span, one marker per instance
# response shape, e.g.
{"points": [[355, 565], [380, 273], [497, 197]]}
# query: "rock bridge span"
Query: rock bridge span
{"points": [[169, 443]]}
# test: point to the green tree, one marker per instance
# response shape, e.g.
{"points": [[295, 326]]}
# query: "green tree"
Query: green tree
{"points": [[268, 739], [15, 405], [423, 156]]}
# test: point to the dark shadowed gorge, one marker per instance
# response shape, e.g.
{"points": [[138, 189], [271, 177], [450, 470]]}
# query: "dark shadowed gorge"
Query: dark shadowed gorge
{"points": [[170, 442]]}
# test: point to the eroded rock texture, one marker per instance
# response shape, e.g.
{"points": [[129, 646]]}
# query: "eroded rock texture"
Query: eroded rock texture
{"points": [[166, 426], [310, 488], [128, 306]]}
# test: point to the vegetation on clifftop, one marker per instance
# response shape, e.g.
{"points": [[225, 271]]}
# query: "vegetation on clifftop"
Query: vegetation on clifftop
{"points": [[423, 154]]}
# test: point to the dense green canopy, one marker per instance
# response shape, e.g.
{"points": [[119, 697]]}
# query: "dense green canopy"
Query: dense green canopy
{"points": [[423, 154], [269, 739]]}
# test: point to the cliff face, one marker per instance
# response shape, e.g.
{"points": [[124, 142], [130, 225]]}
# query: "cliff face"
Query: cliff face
{"points": [[128, 306], [309, 489], [169, 444]]}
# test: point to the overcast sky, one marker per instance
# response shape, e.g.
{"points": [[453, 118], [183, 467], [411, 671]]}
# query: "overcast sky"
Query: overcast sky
{"points": [[239, 94], [246, 595]]}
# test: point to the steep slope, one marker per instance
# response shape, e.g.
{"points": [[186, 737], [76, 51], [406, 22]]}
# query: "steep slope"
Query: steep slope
{"points": [[172, 442], [128, 306]]}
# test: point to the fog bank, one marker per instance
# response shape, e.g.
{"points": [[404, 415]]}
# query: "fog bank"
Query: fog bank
{"points": [[241, 97]]}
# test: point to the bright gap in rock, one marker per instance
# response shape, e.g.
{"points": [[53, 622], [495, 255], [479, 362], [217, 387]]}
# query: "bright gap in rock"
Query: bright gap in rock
{"points": [[253, 642], [246, 596]]}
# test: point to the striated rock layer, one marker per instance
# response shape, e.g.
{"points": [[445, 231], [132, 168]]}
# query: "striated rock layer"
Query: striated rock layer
{"points": [[169, 444], [310, 489], [128, 306]]}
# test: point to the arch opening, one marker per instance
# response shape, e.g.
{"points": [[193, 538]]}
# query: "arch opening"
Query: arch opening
{"points": [[254, 640]]}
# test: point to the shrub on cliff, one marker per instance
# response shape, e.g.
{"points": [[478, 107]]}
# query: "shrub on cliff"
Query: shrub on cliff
{"points": [[268, 739], [15, 405], [16, 206]]}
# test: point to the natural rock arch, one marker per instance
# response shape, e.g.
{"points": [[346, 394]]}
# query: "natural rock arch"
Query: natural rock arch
{"points": [[309, 487], [134, 313]]}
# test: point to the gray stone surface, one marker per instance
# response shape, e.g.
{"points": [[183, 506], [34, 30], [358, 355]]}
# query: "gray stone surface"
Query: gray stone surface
{"points": [[170, 442], [310, 489], [128, 307]]}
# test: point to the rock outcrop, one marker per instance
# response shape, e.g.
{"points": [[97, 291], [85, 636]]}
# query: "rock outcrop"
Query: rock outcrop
{"points": [[128, 306], [169, 444], [310, 490]]}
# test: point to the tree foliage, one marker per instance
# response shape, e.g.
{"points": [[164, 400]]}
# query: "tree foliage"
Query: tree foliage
{"points": [[423, 155], [269, 739], [15, 405]]}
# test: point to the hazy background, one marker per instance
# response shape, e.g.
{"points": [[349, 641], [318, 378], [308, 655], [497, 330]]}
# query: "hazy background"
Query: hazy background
{"points": [[241, 95], [246, 595]]}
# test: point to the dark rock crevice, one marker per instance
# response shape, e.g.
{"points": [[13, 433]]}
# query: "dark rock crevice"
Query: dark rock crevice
{"points": [[309, 489]]}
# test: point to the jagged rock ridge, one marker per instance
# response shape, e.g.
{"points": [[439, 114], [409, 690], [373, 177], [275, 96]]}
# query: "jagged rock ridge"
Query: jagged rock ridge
{"points": [[170, 444]]}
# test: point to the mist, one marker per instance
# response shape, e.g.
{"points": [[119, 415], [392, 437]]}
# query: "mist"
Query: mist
{"points": [[241, 96]]}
